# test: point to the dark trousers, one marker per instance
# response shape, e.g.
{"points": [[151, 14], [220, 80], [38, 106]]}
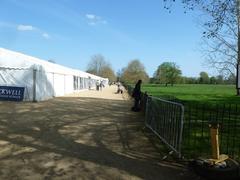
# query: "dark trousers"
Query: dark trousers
{"points": [[136, 104]]}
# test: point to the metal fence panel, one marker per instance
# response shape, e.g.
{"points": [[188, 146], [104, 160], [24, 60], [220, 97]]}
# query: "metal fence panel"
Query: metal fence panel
{"points": [[196, 132], [165, 119]]}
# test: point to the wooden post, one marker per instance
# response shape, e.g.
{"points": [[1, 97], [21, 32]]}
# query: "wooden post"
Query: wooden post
{"points": [[215, 142]]}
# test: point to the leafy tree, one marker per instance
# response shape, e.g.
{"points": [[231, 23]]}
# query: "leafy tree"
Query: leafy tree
{"points": [[107, 72], [100, 67], [231, 79], [189, 80], [221, 31], [167, 73], [204, 79], [133, 72], [213, 80], [120, 74], [182, 80], [219, 79], [153, 80]]}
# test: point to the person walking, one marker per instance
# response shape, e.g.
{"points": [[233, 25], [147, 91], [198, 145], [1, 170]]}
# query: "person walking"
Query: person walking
{"points": [[97, 85], [101, 85], [119, 88], [136, 94]]}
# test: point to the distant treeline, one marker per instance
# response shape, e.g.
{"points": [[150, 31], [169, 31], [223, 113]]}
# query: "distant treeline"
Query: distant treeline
{"points": [[167, 73], [199, 80], [170, 73]]}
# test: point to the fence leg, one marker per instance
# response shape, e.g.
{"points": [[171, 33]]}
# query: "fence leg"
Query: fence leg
{"points": [[146, 110]]}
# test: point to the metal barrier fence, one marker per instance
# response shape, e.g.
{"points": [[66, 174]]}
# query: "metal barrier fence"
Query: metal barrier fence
{"points": [[165, 119], [196, 133], [195, 140]]}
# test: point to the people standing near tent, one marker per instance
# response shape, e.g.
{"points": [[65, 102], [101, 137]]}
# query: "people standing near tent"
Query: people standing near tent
{"points": [[97, 85], [101, 85], [118, 86], [89, 85], [136, 94]]}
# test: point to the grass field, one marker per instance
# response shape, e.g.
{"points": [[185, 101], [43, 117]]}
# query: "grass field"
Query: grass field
{"points": [[204, 104], [202, 93]]}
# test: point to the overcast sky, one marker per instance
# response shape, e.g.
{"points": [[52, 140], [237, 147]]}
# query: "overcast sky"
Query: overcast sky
{"points": [[71, 31]]}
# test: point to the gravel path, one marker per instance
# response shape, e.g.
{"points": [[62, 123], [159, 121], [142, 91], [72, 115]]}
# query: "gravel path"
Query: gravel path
{"points": [[87, 135], [106, 93]]}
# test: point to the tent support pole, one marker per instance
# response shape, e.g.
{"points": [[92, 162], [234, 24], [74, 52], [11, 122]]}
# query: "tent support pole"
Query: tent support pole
{"points": [[64, 84], [34, 85]]}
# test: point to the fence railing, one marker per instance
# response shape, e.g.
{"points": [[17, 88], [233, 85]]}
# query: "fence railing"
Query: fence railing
{"points": [[196, 132], [165, 119]]}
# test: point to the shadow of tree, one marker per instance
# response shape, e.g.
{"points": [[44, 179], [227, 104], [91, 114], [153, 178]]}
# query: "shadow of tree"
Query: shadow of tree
{"points": [[100, 131]]}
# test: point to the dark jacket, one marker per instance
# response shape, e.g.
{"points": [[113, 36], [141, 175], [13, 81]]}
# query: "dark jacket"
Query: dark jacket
{"points": [[137, 91]]}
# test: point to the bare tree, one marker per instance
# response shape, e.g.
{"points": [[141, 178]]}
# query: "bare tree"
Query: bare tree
{"points": [[96, 64], [221, 33], [221, 36], [100, 67]]}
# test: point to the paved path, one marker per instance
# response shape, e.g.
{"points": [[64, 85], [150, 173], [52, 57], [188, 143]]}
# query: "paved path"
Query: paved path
{"points": [[88, 135]]}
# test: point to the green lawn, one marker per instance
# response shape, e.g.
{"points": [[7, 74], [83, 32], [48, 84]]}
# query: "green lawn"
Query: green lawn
{"points": [[202, 93], [204, 104]]}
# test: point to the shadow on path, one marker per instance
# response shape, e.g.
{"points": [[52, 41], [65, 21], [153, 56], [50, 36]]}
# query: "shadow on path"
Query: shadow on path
{"points": [[72, 138]]}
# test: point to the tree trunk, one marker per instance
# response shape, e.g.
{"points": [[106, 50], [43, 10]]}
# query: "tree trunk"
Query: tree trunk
{"points": [[238, 92], [238, 77], [238, 53]]}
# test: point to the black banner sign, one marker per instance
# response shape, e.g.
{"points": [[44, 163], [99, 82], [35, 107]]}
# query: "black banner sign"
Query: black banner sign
{"points": [[11, 93]]}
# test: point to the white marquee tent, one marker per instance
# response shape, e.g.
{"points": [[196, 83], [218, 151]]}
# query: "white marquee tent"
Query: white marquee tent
{"points": [[42, 79]]}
